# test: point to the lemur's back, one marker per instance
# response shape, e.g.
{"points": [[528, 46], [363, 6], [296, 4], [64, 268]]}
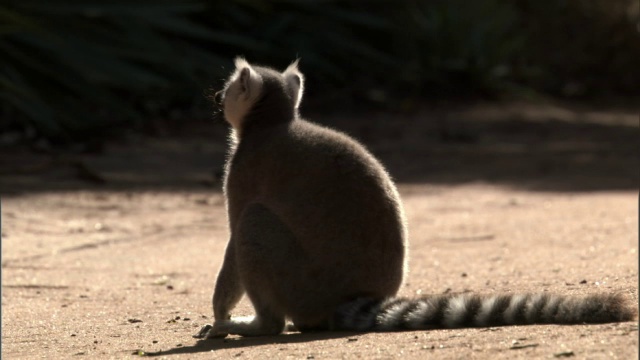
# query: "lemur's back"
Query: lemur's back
{"points": [[336, 199]]}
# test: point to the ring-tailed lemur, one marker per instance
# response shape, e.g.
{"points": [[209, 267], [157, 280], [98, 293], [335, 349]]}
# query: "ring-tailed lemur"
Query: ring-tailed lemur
{"points": [[318, 234]]}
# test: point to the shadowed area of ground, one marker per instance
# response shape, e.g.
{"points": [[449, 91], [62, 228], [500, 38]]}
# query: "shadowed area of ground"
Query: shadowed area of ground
{"points": [[539, 147]]}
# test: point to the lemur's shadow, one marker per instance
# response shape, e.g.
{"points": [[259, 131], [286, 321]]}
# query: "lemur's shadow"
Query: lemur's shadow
{"points": [[243, 342]]}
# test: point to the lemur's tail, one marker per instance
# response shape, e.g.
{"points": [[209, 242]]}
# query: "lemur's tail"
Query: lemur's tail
{"points": [[471, 310]]}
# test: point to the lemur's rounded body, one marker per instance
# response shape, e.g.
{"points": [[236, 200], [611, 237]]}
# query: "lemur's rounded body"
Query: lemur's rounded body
{"points": [[315, 220], [318, 233]]}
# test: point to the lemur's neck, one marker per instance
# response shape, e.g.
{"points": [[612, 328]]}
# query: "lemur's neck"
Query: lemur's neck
{"points": [[267, 113]]}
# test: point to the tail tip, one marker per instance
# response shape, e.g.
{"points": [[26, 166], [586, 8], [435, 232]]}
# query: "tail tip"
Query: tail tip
{"points": [[613, 308]]}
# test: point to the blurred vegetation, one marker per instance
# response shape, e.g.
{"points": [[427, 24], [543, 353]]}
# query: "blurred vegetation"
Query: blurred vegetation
{"points": [[73, 70]]}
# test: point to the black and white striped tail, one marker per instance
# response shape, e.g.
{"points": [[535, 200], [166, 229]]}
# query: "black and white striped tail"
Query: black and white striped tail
{"points": [[471, 310]]}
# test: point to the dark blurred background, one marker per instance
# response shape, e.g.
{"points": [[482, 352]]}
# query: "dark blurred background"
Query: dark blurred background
{"points": [[537, 93], [76, 70]]}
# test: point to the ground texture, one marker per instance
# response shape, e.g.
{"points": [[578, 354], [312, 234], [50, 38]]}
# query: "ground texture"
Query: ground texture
{"points": [[114, 255]]}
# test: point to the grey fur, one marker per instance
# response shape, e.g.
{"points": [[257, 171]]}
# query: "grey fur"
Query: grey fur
{"points": [[318, 233], [310, 210]]}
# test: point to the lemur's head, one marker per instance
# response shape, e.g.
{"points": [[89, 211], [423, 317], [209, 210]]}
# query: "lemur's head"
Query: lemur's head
{"points": [[260, 94]]}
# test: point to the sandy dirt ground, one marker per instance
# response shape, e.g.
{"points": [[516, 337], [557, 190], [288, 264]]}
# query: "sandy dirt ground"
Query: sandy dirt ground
{"points": [[114, 255]]}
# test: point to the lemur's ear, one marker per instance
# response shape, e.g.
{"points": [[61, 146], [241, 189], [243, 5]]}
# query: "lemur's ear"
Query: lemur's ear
{"points": [[295, 82], [240, 93], [248, 78]]}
